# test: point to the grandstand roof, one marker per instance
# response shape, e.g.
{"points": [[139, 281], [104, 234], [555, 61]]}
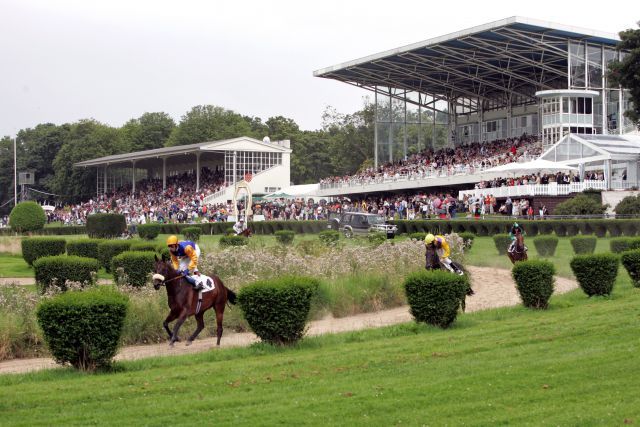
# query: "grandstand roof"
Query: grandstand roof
{"points": [[580, 148], [509, 58], [243, 143]]}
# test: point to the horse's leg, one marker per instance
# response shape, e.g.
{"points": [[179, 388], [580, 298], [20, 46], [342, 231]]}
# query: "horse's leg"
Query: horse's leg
{"points": [[219, 307], [176, 327], [173, 315], [200, 320]]}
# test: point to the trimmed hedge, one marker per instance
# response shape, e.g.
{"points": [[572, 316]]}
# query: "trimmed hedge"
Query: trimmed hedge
{"points": [[631, 262], [87, 248], [26, 217], [467, 238], [329, 237], [534, 282], [106, 226], [420, 235], [546, 245], [285, 237], [133, 267], [110, 248], [596, 274], [38, 247], [435, 296], [581, 204], [59, 269], [144, 247], [583, 244], [260, 227], [277, 310], [502, 242], [148, 231], [620, 244], [377, 238], [83, 329], [192, 233], [226, 241]]}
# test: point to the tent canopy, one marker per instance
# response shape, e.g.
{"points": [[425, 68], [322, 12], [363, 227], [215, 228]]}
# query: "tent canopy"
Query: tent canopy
{"points": [[538, 165]]}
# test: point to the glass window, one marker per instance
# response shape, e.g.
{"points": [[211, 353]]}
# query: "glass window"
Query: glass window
{"points": [[587, 106], [565, 104], [577, 65], [594, 66]]}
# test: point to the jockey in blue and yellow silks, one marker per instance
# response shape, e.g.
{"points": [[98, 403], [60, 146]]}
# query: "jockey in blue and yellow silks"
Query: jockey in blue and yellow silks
{"points": [[184, 258]]}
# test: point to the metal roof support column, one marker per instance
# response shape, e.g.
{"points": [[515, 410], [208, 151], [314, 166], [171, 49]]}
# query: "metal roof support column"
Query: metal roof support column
{"points": [[404, 146], [97, 183], [607, 173], [509, 116], [133, 179], [390, 139], [198, 171], [164, 173], [105, 179], [620, 111], [375, 129], [480, 119]]}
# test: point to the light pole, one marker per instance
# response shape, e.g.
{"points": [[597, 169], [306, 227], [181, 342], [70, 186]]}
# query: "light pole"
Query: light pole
{"points": [[15, 174]]}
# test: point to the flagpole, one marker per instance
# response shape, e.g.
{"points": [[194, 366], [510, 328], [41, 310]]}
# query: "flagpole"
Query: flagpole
{"points": [[15, 174]]}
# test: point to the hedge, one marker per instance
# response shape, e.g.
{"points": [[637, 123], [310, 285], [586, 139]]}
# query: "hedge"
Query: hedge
{"points": [[148, 231], [619, 244], [285, 237], [502, 242], [110, 248], [377, 238], [83, 329], [435, 296], [144, 247], [596, 274], [26, 217], [277, 310], [58, 269], [329, 237], [420, 235], [133, 267], [467, 238], [546, 245], [192, 233], [38, 247], [226, 241], [260, 227], [583, 244], [534, 282], [87, 248], [631, 262], [106, 226]]}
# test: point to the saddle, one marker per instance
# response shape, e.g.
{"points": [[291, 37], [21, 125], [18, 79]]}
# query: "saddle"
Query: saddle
{"points": [[206, 282]]}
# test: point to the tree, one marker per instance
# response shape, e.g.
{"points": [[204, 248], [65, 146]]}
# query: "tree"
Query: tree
{"points": [[630, 205], [580, 205], [149, 131], [280, 128], [626, 73], [40, 146], [208, 123]]}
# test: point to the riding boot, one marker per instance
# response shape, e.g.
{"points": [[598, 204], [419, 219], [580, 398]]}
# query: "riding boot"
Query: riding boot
{"points": [[193, 282]]}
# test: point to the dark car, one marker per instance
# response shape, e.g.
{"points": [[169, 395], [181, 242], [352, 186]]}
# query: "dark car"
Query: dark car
{"points": [[352, 223]]}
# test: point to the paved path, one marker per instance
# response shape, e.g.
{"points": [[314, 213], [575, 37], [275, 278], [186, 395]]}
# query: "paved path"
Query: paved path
{"points": [[30, 281]]}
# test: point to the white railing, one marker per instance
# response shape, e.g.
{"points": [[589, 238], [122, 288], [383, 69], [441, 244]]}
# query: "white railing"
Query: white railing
{"points": [[551, 189]]}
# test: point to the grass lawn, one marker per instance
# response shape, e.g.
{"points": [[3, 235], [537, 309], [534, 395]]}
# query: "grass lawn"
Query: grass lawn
{"points": [[14, 266], [574, 364]]}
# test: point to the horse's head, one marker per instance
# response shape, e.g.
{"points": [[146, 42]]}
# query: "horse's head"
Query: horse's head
{"points": [[161, 271]]}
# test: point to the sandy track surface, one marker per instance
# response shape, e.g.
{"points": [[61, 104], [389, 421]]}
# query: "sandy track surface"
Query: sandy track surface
{"points": [[493, 288]]}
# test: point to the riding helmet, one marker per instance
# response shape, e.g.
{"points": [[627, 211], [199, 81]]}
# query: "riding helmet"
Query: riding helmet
{"points": [[172, 240], [429, 238]]}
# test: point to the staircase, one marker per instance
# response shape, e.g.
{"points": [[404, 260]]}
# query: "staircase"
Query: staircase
{"points": [[226, 193]]}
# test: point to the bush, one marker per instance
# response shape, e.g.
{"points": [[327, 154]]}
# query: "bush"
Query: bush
{"points": [[285, 237], [148, 231], [144, 247], [435, 296], [110, 248], [545, 227], [83, 328], [58, 269], [38, 247], [106, 226], [87, 248], [226, 241], [376, 238], [572, 228], [192, 233], [631, 262], [329, 237], [620, 244], [277, 310], [630, 205], [26, 217], [596, 274], [502, 242], [583, 244], [580, 205], [419, 236], [467, 238], [133, 267], [559, 228], [534, 282], [546, 245], [599, 228]]}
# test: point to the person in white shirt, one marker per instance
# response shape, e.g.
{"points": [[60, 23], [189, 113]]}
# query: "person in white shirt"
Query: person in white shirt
{"points": [[239, 226]]}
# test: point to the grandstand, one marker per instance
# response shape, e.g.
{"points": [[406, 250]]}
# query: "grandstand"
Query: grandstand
{"points": [[486, 85]]}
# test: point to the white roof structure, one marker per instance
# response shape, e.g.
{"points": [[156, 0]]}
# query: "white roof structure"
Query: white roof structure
{"points": [[304, 190], [575, 149], [537, 165]]}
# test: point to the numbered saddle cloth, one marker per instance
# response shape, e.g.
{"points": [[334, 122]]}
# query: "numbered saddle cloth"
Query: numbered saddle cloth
{"points": [[206, 282]]}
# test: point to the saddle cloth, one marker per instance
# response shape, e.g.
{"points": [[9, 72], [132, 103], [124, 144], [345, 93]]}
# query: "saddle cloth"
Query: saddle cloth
{"points": [[206, 282]]}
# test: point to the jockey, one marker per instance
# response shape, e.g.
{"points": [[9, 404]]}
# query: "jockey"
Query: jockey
{"points": [[184, 257], [239, 226], [443, 250], [515, 230]]}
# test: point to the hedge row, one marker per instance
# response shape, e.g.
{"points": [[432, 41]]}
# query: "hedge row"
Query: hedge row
{"points": [[58, 269], [262, 227], [34, 248]]}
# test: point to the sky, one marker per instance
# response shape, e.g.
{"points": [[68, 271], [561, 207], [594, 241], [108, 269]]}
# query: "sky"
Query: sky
{"points": [[114, 60]]}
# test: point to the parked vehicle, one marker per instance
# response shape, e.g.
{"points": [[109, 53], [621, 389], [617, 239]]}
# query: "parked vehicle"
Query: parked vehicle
{"points": [[356, 223]]}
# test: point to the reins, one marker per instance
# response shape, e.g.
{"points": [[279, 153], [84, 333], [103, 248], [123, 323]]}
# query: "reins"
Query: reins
{"points": [[164, 282]]}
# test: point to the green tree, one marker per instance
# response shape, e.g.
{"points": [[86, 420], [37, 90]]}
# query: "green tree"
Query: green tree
{"points": [[626, 73], [282, 128], [350, 138], [40, 147], [149, 131], [208, 123]]}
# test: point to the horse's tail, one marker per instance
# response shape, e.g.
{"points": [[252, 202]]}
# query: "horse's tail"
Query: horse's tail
{"points": [[231, 296]]}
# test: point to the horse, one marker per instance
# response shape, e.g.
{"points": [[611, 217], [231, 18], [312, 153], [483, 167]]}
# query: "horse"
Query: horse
{"points": [[520, 251], [183, 300], [246, 232], [433, 263]]}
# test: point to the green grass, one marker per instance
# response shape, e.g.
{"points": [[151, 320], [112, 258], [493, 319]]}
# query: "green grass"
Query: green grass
{"points": [[14, 266]]}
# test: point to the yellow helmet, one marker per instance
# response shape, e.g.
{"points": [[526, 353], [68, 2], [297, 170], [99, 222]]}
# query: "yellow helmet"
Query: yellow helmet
{"points": [[429, 238], [172, 240]]}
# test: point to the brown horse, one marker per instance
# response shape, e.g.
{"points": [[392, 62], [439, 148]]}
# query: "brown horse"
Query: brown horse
{"points": [[246, 232], [183, 300], [520, 251]]}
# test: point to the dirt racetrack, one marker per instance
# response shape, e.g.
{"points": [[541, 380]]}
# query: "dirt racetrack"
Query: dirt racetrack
{"points": [[493, 288]]}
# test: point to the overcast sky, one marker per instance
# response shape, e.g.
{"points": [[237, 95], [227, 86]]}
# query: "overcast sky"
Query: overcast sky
{"points": [[113, 60]]}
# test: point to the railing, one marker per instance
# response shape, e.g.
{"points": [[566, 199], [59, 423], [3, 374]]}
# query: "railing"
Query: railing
{"points": [[551, 189], [208, 199]]}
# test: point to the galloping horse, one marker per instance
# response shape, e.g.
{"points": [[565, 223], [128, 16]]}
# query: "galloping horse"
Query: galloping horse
{"points": [[246, 232], [183, 300], [520, 251]]}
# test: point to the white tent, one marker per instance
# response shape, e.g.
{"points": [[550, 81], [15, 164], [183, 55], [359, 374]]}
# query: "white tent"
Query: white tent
{"points": [[539, 165], [294, 191]]}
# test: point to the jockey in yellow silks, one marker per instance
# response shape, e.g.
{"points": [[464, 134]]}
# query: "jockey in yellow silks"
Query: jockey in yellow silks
{"points": [[443, 250], [184, 258]]}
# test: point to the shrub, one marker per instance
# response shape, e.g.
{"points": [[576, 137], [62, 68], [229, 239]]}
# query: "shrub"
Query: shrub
{"points": [[572, 228], [87, 248], [620, 244], [599, 228], [226, 241], [26, 217], [534, 282], [630, 205], [502, 242], [467, 238], [106, 226], [583, 244], [614, 228], [419, 236], [192, 233], [546, 245], [376, 238], [144, 247], [62, 268], [559, 228], [132, 267], [230, 232], [38, 247], [435, 296], [110, 248], [277, 310], [545, 227], [148, 231], [629, 227], [596, 274], [329, 237], [285, 237], [631, 262], [580, 205], [83, 328]]}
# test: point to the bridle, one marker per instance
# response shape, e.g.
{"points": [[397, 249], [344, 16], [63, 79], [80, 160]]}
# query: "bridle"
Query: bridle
{"points": [[163, 281]]}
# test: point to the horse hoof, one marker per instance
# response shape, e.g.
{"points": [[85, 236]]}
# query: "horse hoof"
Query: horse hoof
{"points": [[188, 343]]}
